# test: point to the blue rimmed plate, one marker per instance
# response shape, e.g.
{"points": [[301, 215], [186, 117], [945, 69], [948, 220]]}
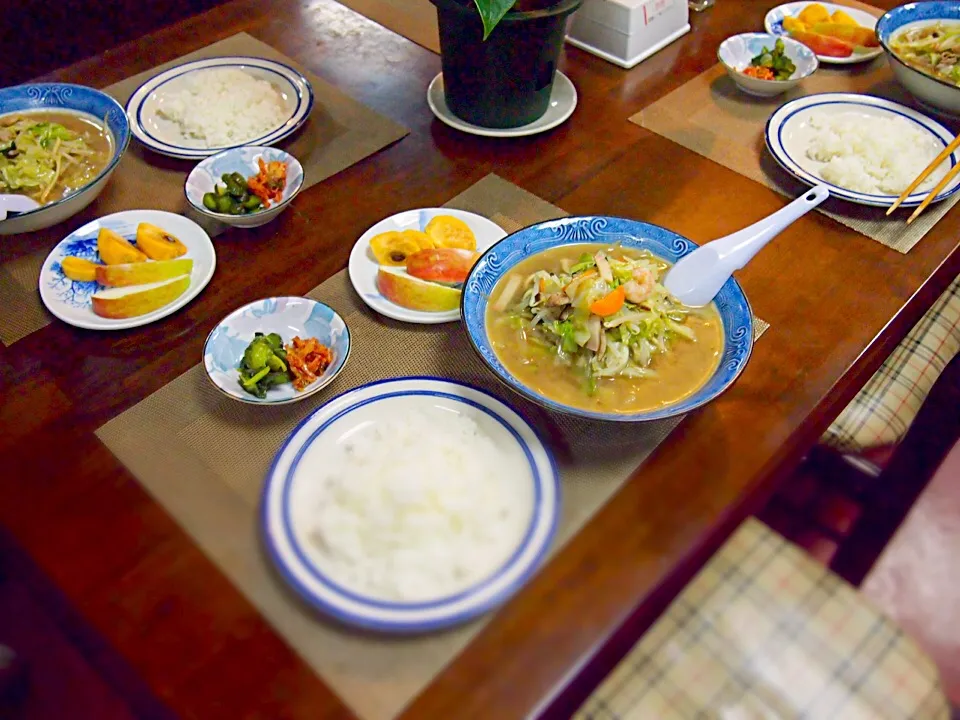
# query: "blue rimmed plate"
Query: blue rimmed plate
{"points": [[788, 134], [494, 264], [164, 136], [294, 477], [773, 23], [288, 317]]}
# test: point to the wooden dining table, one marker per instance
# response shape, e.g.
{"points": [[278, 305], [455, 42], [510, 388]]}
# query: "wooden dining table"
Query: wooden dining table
{"points": [[837, 302]]}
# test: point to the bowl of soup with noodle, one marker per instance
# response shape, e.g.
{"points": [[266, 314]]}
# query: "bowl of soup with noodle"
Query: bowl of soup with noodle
{"points": [[571, 314], [59, 144], [922, 43]]}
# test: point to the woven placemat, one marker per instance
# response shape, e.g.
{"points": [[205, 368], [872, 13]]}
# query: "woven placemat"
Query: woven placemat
{"points": [[339, 133], [764, 631], [204, 458], [712, 117], [415, 20]]}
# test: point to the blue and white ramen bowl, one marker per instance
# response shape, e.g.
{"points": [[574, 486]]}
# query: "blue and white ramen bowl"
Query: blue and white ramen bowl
{"points": [[496, 263], [86, 103]]}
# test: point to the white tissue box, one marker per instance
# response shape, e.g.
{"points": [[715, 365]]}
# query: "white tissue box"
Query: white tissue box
{"points": [[625, 32]]}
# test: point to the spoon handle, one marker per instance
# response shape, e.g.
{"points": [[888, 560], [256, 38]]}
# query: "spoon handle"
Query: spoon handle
{"points": [[736, 250]]}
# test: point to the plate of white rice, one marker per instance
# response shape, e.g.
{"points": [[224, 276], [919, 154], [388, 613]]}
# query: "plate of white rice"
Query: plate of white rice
{"points": [[203, 107], [865, 149], [410, 505]]}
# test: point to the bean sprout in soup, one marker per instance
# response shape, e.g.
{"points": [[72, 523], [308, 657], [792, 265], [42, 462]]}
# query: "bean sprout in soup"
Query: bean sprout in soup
{"points": [[591, 326]]}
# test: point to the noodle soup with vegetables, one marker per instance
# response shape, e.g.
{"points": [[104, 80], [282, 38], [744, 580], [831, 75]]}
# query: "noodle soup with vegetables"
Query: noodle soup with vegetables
{"points": [[590, 326], [50, 155]]}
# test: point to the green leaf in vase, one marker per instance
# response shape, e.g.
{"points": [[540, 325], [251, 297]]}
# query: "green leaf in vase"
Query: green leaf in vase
{"points": [[492, 12]]}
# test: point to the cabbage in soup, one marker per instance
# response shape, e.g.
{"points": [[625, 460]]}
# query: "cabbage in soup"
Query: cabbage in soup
{"points": [[931, 49], [49, 155], [591, 326]]}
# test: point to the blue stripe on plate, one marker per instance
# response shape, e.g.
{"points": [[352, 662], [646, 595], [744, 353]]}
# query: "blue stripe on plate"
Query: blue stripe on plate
{"points": [[275, 136], [440, 620], [846, 192]]}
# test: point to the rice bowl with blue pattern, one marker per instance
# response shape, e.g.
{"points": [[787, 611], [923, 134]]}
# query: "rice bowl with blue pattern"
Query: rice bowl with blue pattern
{"points": [[410, 505], [289, 317]]}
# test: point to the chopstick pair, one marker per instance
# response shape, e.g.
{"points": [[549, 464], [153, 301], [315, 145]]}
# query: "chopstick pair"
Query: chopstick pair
{"points": [[951, 174]]}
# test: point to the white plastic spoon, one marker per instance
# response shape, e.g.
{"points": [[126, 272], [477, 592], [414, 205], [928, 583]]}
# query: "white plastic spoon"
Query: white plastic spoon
{"points": [[697, 278], [17, 204]]}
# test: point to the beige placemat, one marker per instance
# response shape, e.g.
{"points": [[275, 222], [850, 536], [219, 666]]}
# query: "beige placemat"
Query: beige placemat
{"points": [[204, 457], [339, 133], [764, 631], [710, 116], [415, 20]]}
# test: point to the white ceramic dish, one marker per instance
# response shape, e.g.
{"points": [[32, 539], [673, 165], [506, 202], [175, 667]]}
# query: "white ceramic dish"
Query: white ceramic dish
{"points": [[363, 265], [736, 53], [69, 300], [289, 317], [291, 486], [933, 93], [208, 172], [563, 101], [788, 135], [773, 23], [165, 137]]}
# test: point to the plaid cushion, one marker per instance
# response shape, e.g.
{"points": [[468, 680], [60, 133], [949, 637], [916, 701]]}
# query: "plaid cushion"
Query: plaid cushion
{"points": [[883, 410], [764, 631]]}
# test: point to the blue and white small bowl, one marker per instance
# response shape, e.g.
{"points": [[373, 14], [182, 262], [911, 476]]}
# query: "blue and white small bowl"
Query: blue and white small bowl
{"points": [[933, 93], [736, 53], [288, 317], [244, 161], [77, 100], [292, 494], [497, 262]]}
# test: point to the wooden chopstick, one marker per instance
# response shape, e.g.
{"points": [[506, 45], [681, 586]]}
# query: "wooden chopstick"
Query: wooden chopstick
{"points": [[947, 152], [936, 191]]}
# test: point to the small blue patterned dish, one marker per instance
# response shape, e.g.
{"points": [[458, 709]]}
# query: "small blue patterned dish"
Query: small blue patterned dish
{"points": [[738, 51], [243, 160], [86, 103], [288, 317], [496, 262]]}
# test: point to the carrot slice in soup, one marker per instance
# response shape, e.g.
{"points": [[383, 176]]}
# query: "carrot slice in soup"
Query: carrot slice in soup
{"points": [[609, 303]]}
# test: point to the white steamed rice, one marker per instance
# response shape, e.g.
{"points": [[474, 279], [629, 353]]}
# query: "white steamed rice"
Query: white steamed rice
{"points": [[417, 508], [872, 154], [224, 106]]}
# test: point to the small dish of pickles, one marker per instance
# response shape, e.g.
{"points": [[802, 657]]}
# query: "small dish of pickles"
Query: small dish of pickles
{"points": [[244, 186]]}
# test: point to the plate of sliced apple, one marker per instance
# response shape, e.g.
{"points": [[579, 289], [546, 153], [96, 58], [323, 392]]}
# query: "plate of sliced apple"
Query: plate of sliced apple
{"points": [[127, 269], [411, 266]]}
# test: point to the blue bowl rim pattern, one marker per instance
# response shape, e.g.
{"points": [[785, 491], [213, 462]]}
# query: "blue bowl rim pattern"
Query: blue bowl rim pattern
{"points": [[442, 621], [266, 403], [120, 144], [223, 217], [888, 18], [738, 341]]}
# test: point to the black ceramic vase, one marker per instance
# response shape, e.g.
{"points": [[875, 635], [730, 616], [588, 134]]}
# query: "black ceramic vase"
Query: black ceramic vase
{"points": [[504, 81]]}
